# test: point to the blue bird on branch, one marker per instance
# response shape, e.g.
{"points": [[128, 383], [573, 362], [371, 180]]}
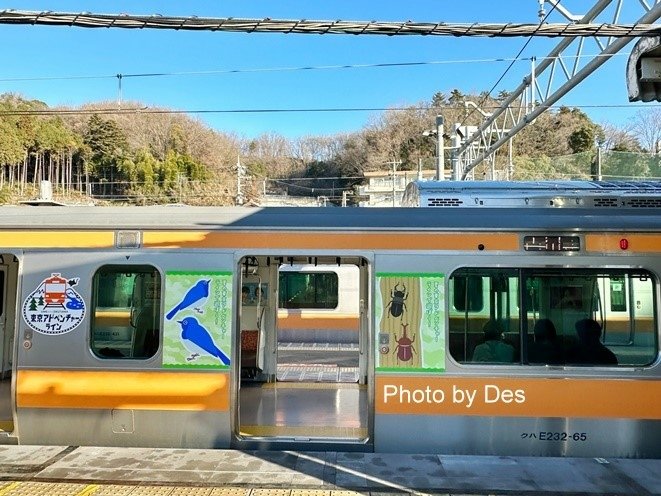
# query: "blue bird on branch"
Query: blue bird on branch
{"points": [[196, 293], [198, 340]]}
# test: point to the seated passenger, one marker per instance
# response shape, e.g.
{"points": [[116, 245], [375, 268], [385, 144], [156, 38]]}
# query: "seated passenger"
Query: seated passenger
{"points": [[590, 350], [545, 349], [494, 349]]}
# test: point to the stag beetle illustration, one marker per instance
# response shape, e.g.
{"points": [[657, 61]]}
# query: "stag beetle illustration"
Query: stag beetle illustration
{"points": [[396, 305], [404, 348]]}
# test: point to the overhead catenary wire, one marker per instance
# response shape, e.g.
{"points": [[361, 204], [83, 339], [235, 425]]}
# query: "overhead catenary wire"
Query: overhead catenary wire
{"points": [[304, 26], [213, 72], [153, 110]]}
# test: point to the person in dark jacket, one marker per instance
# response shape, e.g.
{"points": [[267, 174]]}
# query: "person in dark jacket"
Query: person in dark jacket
{"points": [[590, 350], [493, 349], [545, 349]]}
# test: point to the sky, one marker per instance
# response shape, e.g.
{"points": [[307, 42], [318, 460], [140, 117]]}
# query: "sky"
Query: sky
{"points": [[46, 53]]}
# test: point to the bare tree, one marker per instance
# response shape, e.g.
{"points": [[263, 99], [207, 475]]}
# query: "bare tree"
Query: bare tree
{"points": [[646, 128], [314, 148], [617, 138], [272, 154]]}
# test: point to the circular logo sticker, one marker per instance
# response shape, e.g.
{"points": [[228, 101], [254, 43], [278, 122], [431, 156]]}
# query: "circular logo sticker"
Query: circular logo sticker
{"points": [[54, 307]]}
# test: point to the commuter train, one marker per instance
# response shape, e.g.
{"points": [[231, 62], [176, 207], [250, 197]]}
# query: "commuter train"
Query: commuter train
{"points": [[514, 319]]}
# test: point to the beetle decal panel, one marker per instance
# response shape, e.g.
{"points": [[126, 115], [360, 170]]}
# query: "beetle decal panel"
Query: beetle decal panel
{"points": [[54, 307], [410, 319]]}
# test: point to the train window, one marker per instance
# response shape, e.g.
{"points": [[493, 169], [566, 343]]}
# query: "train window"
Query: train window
{"points": [[308, 290], [467, 295], [488, 331], [618, 295], [564, 317], [126, 311], [586, 310]]}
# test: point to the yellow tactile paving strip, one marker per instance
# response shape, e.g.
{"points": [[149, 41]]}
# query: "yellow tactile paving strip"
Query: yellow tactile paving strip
{"points": [[30, 488], [229, 491], [312, 385], [113, 490], [303, 431]]}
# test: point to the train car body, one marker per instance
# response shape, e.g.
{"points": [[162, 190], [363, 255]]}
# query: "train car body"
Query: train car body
{"points": [[159, 326]]}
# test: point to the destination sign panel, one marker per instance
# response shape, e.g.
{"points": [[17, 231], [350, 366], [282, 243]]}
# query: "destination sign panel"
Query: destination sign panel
{"points": [[551, 243]]}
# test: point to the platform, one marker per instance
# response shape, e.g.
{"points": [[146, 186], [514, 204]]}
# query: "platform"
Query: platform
{"points": [[92, 471]]}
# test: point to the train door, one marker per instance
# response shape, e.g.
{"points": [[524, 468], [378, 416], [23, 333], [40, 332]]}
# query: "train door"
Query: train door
{"points": [[8, 288], [5, 343], [302, 343], [365, 345]]}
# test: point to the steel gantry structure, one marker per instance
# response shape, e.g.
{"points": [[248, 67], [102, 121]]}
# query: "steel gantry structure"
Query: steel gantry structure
{"points": [[554, 77]]}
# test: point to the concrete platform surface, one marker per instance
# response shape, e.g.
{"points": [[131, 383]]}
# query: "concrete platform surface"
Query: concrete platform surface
{"points": [[94, 471]]}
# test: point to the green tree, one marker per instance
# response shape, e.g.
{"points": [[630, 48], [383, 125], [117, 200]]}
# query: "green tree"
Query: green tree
{"points": [[621, 164], [106, 141], [439, 100], [11, 146], [146, 168], [108, 153], [456, 96], [582, 140]]}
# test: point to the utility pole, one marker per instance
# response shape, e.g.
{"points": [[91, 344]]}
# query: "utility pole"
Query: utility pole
{"points": [[440, 149], [456, 164], [119, 90], [240, 174], [394, 164], [394, 170], [510, 164]]}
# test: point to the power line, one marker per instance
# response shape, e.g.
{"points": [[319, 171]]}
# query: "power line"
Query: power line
{"points": [[283, 69], [258, 70], [316, 178], [283, 182], [304, 26], [148, 111]]}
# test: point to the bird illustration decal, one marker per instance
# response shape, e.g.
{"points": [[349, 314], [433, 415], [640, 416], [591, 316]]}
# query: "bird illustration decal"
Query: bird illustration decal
{"points": [[195, 294], [198, 340]]}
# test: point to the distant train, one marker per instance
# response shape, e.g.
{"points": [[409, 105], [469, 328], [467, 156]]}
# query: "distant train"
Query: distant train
{"points": [[318, 304], [516, 319]]}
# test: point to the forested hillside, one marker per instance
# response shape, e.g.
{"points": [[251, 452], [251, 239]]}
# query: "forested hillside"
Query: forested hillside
{"points": [[142, 157], [101, 152]]}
